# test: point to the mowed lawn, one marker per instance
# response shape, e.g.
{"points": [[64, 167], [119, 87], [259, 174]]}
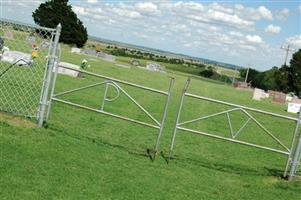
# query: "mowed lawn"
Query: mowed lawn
{"points": [[85, 155]]}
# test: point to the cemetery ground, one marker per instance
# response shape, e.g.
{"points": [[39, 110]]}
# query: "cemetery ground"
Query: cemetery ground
{"points": [[85, 155]]}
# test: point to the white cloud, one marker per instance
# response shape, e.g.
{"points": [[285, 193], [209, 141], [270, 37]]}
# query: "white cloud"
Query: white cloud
{"points": [[272, 29], [189, 6], [295, 41], [148, 8], [218, 7], [265, 13], [283, 14], [236, 33], [227, 18], [126, 13], [254, 39], [92, 1]]}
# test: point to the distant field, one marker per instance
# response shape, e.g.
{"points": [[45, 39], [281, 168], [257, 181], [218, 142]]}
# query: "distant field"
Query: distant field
{"points": [[84, 155]]}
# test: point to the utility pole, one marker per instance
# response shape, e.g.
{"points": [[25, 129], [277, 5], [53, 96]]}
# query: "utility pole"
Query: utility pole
{"points": [[246, 79], [287, 50]]}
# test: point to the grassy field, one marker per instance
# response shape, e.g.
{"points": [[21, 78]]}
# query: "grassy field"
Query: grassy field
{"points": [[85, 155]]}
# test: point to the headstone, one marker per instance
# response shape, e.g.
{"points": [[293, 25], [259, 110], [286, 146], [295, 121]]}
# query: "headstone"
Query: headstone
{"points": [[67, 72], [9, 35], [1, 44], [16, 57], [279, 97], [75, 50], [259, 94], [152, 66], [293, 108], [45, 45], [31, 39], [106, 56]]}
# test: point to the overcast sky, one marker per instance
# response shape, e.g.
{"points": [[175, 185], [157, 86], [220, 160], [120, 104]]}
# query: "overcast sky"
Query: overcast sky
{"points": [[236, 32]]}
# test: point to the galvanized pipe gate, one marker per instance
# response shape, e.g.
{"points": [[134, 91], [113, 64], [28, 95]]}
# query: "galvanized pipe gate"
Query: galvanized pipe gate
{"points": [[293, 153], [115, 83]]}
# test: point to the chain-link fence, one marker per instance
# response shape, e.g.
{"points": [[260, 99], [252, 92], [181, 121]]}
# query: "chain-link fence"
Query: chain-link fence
{"points": [[25, 56]]}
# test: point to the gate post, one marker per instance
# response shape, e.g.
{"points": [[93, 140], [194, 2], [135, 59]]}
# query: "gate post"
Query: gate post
{"points": [[297, 152], [178, 117], [171, 83], [47, 78]]}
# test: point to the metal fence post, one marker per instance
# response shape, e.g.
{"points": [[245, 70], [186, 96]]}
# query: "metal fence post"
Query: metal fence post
{"points": [[292, 145], [297, 152], [47, 80], [164, 115], [57, 60], [178, 117]]}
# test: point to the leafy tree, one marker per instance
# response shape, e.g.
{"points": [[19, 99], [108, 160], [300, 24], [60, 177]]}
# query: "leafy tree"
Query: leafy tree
{"points": [[53, 12], [295, 72]]}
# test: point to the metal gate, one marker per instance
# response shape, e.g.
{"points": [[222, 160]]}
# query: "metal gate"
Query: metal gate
{"points": [[27, 55], [117, 85], [292, 152]]}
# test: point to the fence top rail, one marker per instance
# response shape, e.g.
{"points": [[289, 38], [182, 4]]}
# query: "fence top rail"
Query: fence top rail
{"points": [[9, 21], [117, 80], [240, 106]]}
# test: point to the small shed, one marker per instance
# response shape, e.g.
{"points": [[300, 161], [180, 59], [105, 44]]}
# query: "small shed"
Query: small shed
{"points": [[68, 72]]}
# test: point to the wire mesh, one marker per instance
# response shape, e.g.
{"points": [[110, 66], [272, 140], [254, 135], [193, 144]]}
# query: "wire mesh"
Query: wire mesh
{"points": [[24, 53]]}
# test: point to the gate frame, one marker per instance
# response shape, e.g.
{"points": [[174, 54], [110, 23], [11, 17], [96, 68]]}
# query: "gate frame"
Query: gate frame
{"points": [[293, 153], [108, 81], [48, 76]]}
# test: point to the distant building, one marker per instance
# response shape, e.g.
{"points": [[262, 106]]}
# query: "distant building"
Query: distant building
{"points": [[152, 66]]}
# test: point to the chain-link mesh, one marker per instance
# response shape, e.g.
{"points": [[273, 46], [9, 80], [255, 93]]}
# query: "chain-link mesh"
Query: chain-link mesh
{"points": [[24, 53]]}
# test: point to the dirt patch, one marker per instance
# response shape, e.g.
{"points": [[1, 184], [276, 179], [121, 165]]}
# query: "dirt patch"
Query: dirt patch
{"points": [[17, 121]]}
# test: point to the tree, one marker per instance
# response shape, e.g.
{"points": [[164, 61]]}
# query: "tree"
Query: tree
{"points": [[295, 72], [53, 12]]}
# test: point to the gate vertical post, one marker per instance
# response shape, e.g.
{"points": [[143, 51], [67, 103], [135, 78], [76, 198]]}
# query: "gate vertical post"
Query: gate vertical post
{"points": [[297, 152], [47, 80], [164, 115], [178, 117], [292, 145]]}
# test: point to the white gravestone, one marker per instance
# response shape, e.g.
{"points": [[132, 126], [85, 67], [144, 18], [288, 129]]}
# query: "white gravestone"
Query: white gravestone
{"points": [[293, 107], [68, 72]]}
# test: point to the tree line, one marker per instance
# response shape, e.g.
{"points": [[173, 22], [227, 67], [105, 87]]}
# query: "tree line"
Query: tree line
{"points": [[286, 78]]}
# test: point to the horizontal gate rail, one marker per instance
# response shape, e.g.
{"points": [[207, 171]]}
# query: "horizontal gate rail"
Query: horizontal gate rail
{"points": [[113, 82], [116, 80], [293, 152]]}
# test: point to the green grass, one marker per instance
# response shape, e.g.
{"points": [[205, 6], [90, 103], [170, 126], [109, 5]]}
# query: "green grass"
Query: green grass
{"points": [[85, 155]]}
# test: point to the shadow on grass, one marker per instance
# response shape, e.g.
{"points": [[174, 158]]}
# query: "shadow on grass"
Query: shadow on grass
{"points": [[223, 167], [148, 152], [152, 155]]}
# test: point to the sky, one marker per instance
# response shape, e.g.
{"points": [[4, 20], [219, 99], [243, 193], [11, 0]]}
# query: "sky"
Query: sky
{"points": [[237, 32]]}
